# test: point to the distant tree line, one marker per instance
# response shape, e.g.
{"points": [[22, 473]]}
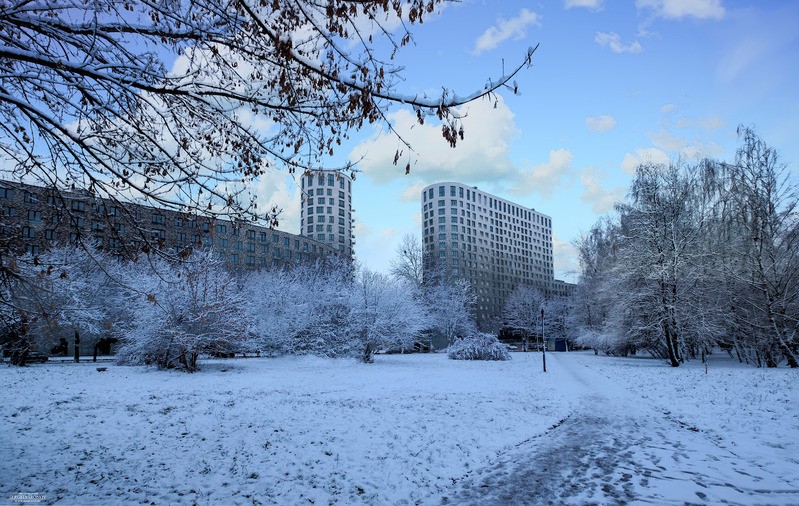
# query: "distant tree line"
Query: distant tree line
{"points": [[699, 256], [170, 314]]}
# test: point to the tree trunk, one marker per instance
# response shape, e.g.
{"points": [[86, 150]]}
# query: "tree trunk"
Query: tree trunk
{"points": [[77, 347]]}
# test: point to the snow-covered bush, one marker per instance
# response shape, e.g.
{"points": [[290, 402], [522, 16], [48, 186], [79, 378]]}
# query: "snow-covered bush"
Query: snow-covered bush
{"points": [[478, 346]]}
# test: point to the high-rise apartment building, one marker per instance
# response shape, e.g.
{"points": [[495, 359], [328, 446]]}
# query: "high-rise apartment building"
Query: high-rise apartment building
{"points": [[494, 244], [327, 213]]}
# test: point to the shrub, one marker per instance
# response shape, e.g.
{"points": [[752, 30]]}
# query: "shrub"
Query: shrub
{"points": [[478, 347]]}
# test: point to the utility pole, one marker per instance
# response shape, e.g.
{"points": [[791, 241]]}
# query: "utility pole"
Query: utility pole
{"points": [[543, 342]]}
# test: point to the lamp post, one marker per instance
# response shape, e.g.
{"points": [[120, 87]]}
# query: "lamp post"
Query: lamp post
{"points": [[543, 341]]}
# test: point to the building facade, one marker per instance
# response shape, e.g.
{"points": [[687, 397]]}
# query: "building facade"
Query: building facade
{"points": [[494, 244], [35, 218], [327, 213]]}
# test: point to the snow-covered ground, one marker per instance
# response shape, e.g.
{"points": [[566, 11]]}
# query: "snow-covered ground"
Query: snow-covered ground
{"points": [[408, 429]]}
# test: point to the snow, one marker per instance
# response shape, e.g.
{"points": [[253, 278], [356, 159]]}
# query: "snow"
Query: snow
{"points": [[408, 429]]}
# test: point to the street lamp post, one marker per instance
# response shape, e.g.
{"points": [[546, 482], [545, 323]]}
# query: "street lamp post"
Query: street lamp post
{"points": [[543, 342]]}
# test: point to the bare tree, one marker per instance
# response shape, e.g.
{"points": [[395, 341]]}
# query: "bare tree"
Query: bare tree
{"points": [[185, 103], [408, 265], [764, 213], [523, 311]]}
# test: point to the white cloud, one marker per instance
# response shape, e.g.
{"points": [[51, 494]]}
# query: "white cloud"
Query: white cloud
{"points": [[596, 194], [567, 263], [481, 155], [613, 41], [678, 9], [669, 108], [506, 29], [546, 177], [710, 123], [412, 192], [603, 123], [278, 189], [587, 4], [642, 156], [687, 149], [743, 55]]}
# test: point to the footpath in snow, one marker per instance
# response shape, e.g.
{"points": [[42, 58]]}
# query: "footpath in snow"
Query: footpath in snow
{"points": [[617, 446]]}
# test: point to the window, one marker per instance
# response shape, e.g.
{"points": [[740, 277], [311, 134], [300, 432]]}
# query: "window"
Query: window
{"points": [[239, 246], [234, 258], [97, 226], [6, 193], [158, 219], [28, 232], [262, 236], [31, 198], [49, 235], [221, 229], [9, 211], [78, 205], [178, 222], [251, 235], [251, 247], [181, 236], [441, 191], [331, 181], [223, 242]]}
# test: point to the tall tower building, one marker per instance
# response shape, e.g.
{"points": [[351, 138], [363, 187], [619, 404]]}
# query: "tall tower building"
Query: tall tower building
{"points": [[327, 213], [494, 244]]}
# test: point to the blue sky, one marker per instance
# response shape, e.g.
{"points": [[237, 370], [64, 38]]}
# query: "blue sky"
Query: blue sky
{"points": [[612, 84]]}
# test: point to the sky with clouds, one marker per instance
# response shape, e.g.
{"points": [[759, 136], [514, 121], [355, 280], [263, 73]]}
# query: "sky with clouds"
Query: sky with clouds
{"points": [[612, 84]]}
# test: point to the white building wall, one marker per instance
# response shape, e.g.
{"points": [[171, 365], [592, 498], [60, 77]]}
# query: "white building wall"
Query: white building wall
{"points": [[493, 243]]}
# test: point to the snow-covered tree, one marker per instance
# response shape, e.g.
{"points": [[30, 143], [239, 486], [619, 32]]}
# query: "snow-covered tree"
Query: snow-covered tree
{"points": [[450, 303], [185, 310], [301, 310], [699, 255], [383, 315], [61, 293], [763, 213]]}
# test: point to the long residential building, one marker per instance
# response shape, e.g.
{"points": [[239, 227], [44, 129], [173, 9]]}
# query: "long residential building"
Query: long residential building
{"points": [[35, 218], [494, 244]]}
